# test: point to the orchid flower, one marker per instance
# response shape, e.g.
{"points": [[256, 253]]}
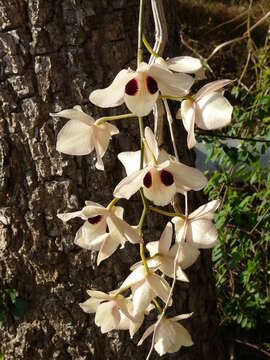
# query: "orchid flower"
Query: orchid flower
{"points": [[103, 229], [170, 335], [145, 286], [140, 89], [183, 64], [161, 177], [81, 135], [163, 255], [108, 308], [127, 324], [201, 232], [208, 109]]}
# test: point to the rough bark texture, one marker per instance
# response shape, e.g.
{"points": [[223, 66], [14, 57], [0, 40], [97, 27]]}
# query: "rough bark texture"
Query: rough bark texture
{"points": [[52, 55]]}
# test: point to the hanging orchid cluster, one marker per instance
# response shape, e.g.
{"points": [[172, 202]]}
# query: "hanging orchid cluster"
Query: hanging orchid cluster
{"points": [[158, 176]]}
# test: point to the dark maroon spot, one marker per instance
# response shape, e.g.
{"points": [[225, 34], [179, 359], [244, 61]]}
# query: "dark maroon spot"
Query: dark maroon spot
{"points": [[147, 180], [107, 229], [151, 85], [131, 87], [166, 177], [95, 219]]}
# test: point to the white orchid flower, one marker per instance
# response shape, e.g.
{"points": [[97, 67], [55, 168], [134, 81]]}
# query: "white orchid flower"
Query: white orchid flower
{"points": [[140, 89], [170, 335], [161, 177], [109, 309], [163, 255], [81, 135], [183, 64], [103, 229], [201, 232], [208, 109], [145, 286], [127, 324]]}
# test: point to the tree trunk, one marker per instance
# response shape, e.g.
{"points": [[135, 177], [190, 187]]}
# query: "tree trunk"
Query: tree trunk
{"points": [[52, 55]]}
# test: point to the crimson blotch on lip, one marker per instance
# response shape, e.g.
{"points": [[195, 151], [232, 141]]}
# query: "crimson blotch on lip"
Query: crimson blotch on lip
{"points": [[131, 87], [152, 85], [166, 178], [147, 180], [94, 220]]}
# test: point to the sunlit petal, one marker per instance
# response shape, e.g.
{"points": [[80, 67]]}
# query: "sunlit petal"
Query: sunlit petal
{"points": [[130, 160], [188, 117]]}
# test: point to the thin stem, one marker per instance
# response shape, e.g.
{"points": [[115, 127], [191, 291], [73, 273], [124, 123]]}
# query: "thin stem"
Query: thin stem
{"points": [[140, 30], [148, 47], [114, 118], [166, 213], [169, 97], [112, 203], [159, 309]]}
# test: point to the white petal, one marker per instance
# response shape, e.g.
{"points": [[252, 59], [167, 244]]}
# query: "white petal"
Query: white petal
{"points": [[67, 216], [98, 294], [165, 337], [76, 114], [170, 83], [93, 210], [93, 235], [202, 234], [152, 247], [183, 337], [186, 177], [130, 160], [205, 211], [188, 255], [125, 231], [75, 138], [107, 316], [163, 156], [92, 203], [146, 334], [158, 192], [130, 184], [118, 211], [90, 306], [181, 317], [142, 295], [160, 286], [185, 64], [215, 112], [108, 247], [151, 141], [136, 276], [112, 95], [165, 239], [211, 87], [188, 118]]}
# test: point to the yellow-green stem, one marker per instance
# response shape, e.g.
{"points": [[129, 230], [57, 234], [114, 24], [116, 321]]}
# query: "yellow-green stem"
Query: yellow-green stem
{"points": [[148, 47], [159, 309], [112, 203], [166, 213], [114, 118], [169, 97]]}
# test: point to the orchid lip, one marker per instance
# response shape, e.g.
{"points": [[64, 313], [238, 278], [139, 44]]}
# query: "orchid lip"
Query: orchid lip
{"points": [[131, 87], [95, 220], [166, 178], [147, 180], [152, 85]]}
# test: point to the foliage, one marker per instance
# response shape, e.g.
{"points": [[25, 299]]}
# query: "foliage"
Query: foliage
{"points": [[10, 302], [243, 184]]}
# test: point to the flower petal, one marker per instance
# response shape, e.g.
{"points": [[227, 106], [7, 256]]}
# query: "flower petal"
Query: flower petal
{"points": [[185, 64], [159, 285], [170, 83], [142, 295], [90, 240], [152, 247], [90, 306], [67, 216], [202, 234], [75, 138], [130, 160], [112, 95], [75, 114], [151, 141], [188, 117], [130, 184], [108, 247], [165, 239], [188, 255], [183, 337], [186, 177], [147, 332], [211, 87], [98, 294], [136, 276], [107, 316], [215, 111], [124, 230], [205, 211], [181, 317]]}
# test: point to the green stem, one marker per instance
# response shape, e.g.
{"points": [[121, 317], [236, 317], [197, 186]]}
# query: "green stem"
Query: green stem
{"points": [[140, 30], [159, 309], [114, 118], [148, 47], [169, 97], [112, 203], [166, 213]]}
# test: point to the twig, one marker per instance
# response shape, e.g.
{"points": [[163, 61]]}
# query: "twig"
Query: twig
{"points": [[253, 346]]}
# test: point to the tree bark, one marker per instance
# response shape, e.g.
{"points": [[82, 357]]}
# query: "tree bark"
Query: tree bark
{"points": [[52, 55]]}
